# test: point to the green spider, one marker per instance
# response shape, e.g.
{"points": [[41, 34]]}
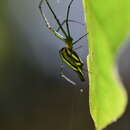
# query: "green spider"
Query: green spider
{"points": [[67, 54]]}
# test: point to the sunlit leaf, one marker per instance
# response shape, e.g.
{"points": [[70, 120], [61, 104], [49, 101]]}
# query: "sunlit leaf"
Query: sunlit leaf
{"points": [[108, 25]]}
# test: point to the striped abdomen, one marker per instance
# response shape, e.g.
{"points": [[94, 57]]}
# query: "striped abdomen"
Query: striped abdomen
{"points": [[71, 58]]}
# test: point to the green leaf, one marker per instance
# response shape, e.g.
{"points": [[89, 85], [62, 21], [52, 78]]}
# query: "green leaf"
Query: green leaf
{"points": [[108, 23]]}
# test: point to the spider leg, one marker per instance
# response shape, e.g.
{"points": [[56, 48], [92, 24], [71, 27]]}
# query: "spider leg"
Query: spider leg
{"points": [[80, 38], [79, 47], [67, 17], [65, 77], [73, 21], [48, 24]]}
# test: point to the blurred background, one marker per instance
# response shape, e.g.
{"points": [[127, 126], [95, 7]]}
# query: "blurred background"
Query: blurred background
{"points": [[33, 96]]}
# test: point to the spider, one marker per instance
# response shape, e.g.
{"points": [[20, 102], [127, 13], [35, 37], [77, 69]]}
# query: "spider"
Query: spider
{"points": [[68, 54]]}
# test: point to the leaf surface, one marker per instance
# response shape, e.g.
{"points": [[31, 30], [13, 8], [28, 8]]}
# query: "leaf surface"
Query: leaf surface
{"points": [[108, 25]]}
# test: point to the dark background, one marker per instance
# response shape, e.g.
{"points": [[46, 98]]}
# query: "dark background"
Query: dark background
{"points": [[32, 94]]}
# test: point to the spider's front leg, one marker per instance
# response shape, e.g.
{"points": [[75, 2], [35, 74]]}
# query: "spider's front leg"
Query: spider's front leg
{"points": [[48, 24]]}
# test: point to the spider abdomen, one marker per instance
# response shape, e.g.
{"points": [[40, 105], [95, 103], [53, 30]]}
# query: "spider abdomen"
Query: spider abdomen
{"points": [[71, 58]]}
